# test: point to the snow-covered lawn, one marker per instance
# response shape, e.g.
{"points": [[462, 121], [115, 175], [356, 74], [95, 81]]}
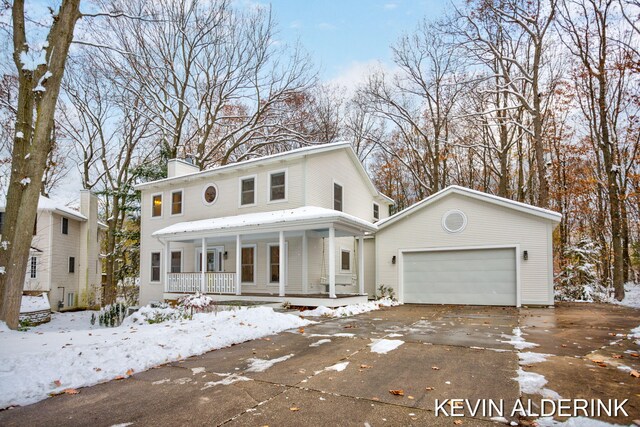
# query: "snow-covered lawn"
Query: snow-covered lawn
{"points": [[349, 310], [632, 295], [69, 352]]}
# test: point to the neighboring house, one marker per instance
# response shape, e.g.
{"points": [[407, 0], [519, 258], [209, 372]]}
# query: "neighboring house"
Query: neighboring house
{"points": [[309, 227], [65, 252]]}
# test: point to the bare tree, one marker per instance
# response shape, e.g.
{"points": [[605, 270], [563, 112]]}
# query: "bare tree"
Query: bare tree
{"points": [[40, 70]]}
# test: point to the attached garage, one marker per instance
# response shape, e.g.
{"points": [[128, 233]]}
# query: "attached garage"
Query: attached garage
{"points": [[462, 246]]}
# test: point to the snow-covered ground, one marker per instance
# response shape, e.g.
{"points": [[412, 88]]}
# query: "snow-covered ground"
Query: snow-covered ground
{"points": [[349, 310], [69, 352], [632, 295]]}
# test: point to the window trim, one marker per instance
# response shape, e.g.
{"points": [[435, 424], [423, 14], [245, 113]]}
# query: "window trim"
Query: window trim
{"points": [[286, 186], [180, 250], [151, 267], [33, 267], [204, 190], [64, 219], [181, 191], [71, 267], [255, 190], [333, 196], [161, 205], [374, 212], [286, 263], [350, 252], [255, 264]]}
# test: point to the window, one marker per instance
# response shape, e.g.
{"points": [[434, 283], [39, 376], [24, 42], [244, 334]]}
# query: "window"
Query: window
{"points": [[345, 260], [35, 226], [277, 186], [248, 264], [376, 211], [33, 267], [71, 299], [156, 205], [210, 194], [155, 266], [176, 262], [176, 202], [337, 197], [247, 191], [1, 221], [274, 263], [72, 264], [65, 226]]}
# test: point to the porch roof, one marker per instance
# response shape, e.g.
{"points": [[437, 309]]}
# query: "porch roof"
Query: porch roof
{"points": [[303, 218]]}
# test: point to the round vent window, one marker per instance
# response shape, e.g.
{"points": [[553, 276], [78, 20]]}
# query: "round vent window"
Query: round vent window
{"points": [[454, 221], [210, 194]]}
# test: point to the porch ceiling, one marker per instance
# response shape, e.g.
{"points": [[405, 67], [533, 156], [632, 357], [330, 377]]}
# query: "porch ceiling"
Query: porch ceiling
{"points": [[305, 218]]}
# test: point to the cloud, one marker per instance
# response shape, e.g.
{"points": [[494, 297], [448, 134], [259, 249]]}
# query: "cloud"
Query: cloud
{"points": [[390, 6], [326, 26], [357, 72], [295, 24]]}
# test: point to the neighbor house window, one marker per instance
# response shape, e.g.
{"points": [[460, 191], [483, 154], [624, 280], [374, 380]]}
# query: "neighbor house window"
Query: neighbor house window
{"points": [[337, 197], [247, 191], [176, 262], [33, 267], [156, 205], [277, 186], [155, 266], [345, 260], [376, 211], [274, 263], [248, 264], [65, 226], [72, 264], [176, 202]]}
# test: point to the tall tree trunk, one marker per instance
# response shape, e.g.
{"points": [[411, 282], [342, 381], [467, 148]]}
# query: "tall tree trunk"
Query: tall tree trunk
{"points": [[38, 89]]}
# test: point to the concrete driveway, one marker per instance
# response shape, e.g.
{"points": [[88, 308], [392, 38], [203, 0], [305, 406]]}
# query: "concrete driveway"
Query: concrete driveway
{"points": [[448, 352]]}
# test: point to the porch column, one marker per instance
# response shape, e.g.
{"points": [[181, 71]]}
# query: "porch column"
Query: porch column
{"points": [[281, 265], [332, 262], [203, 267], [167, 264], [238, 265], [305, 265], [361, 265]]}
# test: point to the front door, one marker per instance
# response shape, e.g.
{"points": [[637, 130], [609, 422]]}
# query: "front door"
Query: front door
{"points": [[215, 259]]}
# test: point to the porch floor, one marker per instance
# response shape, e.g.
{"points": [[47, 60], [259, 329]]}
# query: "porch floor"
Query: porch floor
{"points": [[306, 300]]}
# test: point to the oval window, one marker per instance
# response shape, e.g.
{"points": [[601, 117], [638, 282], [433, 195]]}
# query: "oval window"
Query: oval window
{"points": [[454, 221], [210, 194]]}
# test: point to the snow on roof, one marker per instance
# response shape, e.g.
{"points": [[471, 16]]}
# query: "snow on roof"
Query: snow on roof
{"points": [[306, 214], [46, 204], [508, 203]]}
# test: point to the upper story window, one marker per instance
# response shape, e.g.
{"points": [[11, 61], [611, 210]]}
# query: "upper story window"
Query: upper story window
{"points": [[337, 197], [248, 191], [156, 205], [176, 202], [72, 264], [65, 226], [210, 194], [376, 211], [277, 186]]}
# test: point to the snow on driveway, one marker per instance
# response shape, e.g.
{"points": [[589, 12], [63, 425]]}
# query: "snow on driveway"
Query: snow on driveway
{"points": [[384, 346], [71, 353]]}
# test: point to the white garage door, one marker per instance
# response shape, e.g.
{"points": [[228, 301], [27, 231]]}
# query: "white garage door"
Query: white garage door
{"points": [[478, 277]]}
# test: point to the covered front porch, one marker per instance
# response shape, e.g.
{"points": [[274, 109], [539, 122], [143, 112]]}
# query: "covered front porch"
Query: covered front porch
{"points": [[307, 256]]}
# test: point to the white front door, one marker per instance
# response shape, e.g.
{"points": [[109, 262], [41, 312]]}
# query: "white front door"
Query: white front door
{"points": [[215, 258]]}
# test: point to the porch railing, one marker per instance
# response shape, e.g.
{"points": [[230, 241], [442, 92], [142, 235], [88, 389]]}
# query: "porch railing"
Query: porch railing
{"points": [[215, 282]]}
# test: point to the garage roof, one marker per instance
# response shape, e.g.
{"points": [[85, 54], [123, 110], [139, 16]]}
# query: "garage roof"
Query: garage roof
{"points": [[479, 195]]}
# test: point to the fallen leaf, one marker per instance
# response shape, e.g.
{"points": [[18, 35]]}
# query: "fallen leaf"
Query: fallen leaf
{"points": [[365, 366], [130, 372], [375, 398], [634, 373], [397, 392], [71, 391], [119, 377], [429, 388], [457, 422], [58, 383], [410, 397], [435, 368], [349, 327], [301, 330], [596, 361], [563, 345], [602, 365], [294, 409], [617, 356], [634, 354]]}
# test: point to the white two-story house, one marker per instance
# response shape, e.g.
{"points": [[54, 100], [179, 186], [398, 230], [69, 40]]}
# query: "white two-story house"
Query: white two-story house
{"points": [[64, 260], [309, 227]]}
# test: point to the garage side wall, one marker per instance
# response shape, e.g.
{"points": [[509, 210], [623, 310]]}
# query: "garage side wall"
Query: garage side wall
{"points": [[487, 225]]}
